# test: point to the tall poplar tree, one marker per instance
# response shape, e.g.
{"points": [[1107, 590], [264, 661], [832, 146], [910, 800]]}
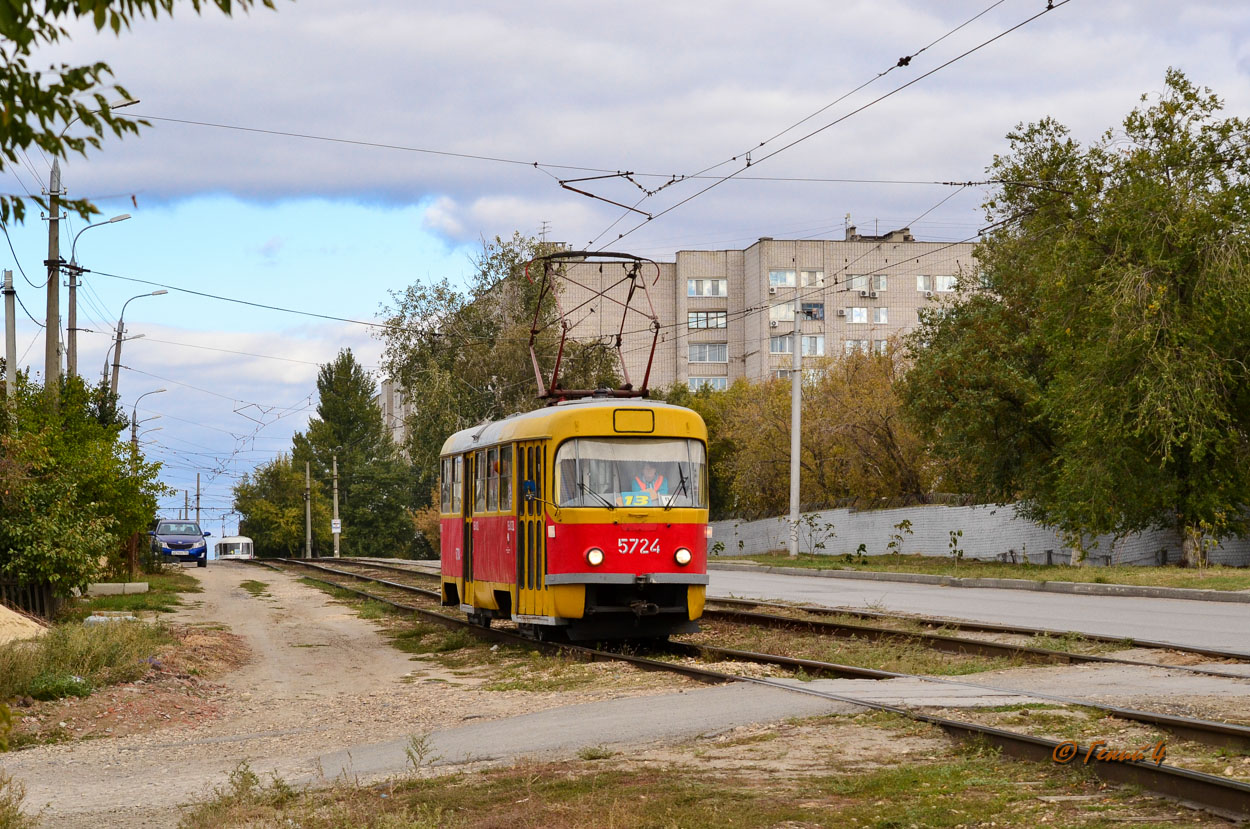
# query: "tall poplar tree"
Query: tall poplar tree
{"points": [[1097, 367]]}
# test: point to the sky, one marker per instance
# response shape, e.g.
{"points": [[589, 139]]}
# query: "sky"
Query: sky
{"points": [[318, 157]]}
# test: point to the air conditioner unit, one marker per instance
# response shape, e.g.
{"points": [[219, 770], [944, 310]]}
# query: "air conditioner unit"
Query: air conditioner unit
{"points": [[841, 312], [772, 323], [863, 294], [928, 294], [772, 290], [872, 294]]}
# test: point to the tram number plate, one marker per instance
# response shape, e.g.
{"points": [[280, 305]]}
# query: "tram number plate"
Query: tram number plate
{"points": [[628, 546]]}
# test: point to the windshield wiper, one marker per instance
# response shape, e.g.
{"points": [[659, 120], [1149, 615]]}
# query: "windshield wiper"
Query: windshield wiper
{"points": [[605, 501], [681, 487]]}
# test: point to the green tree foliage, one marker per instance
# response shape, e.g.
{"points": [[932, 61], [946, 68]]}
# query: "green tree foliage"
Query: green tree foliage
{"points": [[65, 109], [855, 443], [71, 491], [463, 356], [1097, 369], [270, 502], [376, 491]]}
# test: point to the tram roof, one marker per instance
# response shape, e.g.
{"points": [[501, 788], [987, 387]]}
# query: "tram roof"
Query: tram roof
{"points": [[547, 421]]}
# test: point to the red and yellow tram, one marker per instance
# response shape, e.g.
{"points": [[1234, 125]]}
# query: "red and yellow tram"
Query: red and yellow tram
{"points": [[585, 520]]}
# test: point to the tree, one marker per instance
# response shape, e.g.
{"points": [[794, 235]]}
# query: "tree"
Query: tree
{"points": [[270, 502], [1097, 367], [855, 443], [463, 357], [71, 491], [39, 108], [376, 492]]}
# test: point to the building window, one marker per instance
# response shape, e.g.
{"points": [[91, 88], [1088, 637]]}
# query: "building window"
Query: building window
{"points": [[856, 345], [879, 282], [880, 315], [924, 283], [781, 313], [881, 346], [857, 315], [857, 283], [707, 319], [945, 284], [812, 278], [781, 345], [713, 383], [814, 346], [781, 373], [707, 287], [781, 278], [709, 352], [813, 310]]}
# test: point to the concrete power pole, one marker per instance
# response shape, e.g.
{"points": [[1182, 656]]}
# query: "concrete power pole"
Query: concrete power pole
{"points": [[10, 340], [197, 497], [796, 420], [307, 510], [336, 526], [52, 321], [71, 326], [186, 504]]}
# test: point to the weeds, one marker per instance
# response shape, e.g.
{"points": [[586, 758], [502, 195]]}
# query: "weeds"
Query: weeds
{"points": [[12, 797], [420, 752], [71, 659], [240, 800], [256, 588], [595, 753]]}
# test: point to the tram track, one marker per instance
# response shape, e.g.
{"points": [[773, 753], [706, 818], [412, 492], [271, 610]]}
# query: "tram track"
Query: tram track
{"points": [[934, 641], [1217, 793]]}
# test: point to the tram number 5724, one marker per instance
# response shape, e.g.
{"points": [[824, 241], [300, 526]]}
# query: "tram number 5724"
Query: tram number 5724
{"points": [[627, 546]]}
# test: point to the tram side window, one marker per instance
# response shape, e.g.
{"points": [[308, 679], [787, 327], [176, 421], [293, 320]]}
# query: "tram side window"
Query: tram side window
{"points": [[445, 487], [479, 482], [492, 480], [457, 484], [505, 478]]}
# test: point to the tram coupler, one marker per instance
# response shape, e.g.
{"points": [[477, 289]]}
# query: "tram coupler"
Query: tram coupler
{"points": [[642, 608]]}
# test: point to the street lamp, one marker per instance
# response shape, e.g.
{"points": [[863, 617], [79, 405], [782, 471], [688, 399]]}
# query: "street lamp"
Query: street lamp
{"points": [[117, 345], [71, 356], [134, 413]]}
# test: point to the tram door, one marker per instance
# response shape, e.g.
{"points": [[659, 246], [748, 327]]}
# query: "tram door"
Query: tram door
{"points": [[470, 476], [533, 599]]}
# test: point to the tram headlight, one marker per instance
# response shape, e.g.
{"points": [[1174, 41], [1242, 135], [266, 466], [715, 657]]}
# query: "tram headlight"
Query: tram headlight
{"points": [[594, 556], [683, 556]]}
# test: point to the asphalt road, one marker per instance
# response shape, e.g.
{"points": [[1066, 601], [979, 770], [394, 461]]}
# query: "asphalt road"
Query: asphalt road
{"points": [[1220, 625]]}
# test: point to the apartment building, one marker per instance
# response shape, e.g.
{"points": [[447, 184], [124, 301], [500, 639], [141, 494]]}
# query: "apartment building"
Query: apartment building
{"points": [[395, 408], [730, 314]]}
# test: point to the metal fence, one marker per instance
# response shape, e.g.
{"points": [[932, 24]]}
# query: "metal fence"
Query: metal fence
{"points": [[36, 599]]}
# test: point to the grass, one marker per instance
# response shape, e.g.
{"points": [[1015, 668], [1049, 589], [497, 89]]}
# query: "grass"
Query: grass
{"points": [[893, 654], [72, 659], [969, 786], [256, 588], [12, 798], [1207, 578], [163, 596]]}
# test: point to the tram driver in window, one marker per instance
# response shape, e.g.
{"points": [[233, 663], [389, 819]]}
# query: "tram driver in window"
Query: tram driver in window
{"points": [[646, 487]]}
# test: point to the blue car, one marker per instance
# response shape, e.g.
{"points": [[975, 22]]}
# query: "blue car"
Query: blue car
{"points": [[181, 541]]}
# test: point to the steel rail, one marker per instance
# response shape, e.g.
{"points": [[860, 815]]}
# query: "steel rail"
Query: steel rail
{"points": [[1210, 791], [988, 627], [941, 642], [951, 644], [1208, 732]]}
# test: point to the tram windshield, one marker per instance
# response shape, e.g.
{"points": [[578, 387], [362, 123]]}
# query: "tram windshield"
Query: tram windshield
{"points": [[631, 472]]}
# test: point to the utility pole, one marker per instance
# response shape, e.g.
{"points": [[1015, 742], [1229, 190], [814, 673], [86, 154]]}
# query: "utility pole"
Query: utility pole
{"points": [[197, 497], [186, 504], [796, 419], [307, 510], [52, 320], [10, 341], [335, 525]]}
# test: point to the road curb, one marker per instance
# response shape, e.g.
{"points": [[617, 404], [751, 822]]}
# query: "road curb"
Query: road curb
{"points": [[1070, 587]]}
